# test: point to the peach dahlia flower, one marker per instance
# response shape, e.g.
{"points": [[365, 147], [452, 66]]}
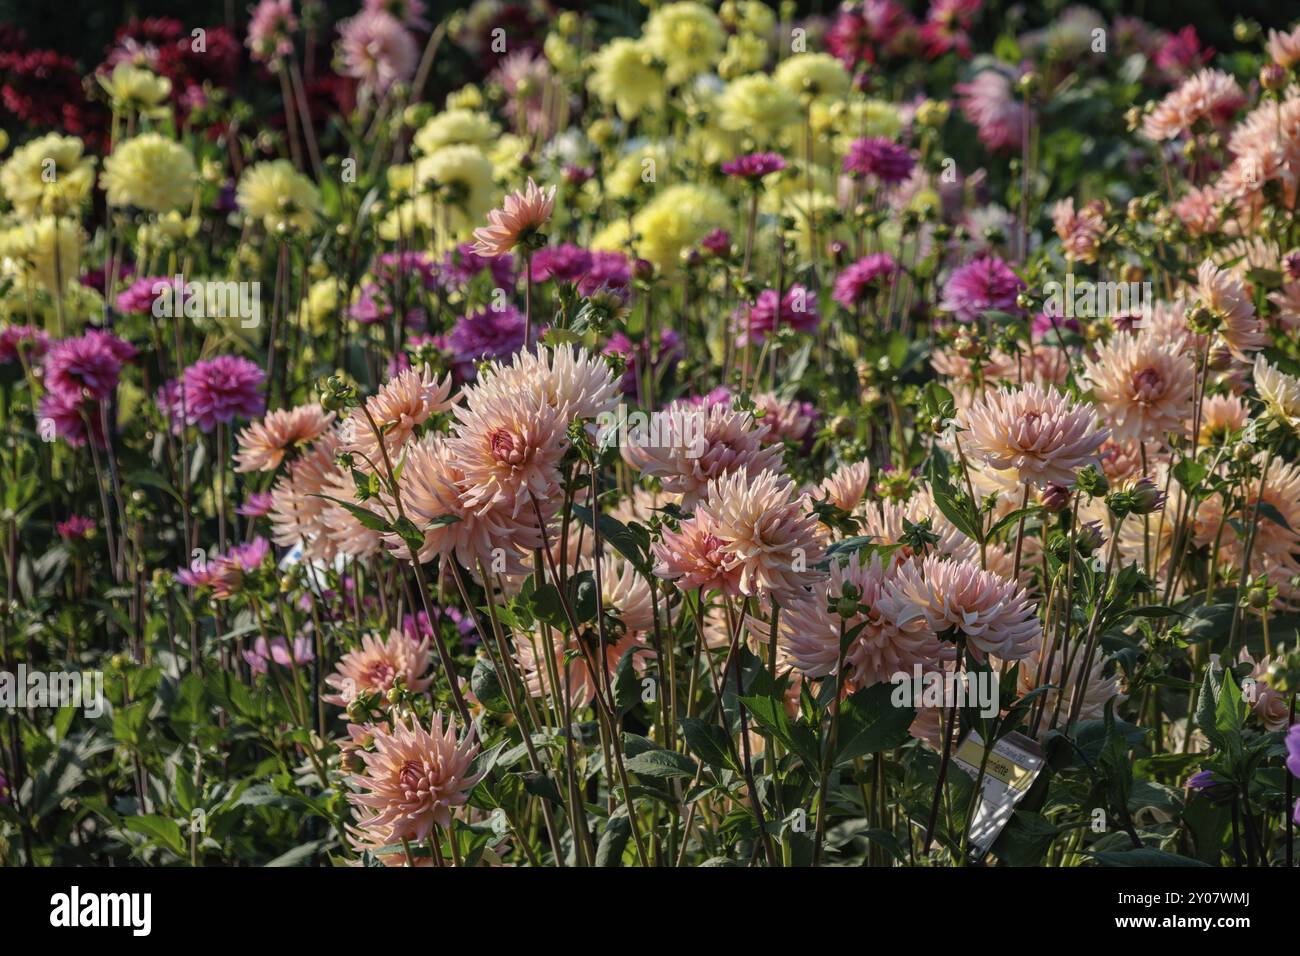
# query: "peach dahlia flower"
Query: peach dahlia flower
{"points": [[401, 405], [695, 558], [892, 640], [522, 213], [377, 664], [847, 485], [1142, 387], [1041, 435], [413, 780], [994, 615], [731, 440], [1210, 95], [433, 489], [262, 445], [768, 533], [1227, 297]]}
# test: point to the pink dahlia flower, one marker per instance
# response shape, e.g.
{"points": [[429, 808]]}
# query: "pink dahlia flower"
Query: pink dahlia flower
{"points": [[958, 598], [413, 780], [1039, 435], [984, 283], [222, 389]]}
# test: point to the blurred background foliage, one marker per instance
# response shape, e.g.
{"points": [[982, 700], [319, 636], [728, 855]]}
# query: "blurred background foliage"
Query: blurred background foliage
{"points": [[82, 28]]}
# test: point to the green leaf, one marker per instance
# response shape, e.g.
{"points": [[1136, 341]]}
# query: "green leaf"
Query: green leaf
{"points": [[769, 713], [162, 829], [487, 688], [627, 688], [1190, 473], [618, 535], [870, 722], [663, 764], [367, 517], [583, 587], [540, 785], [709, 742], [613, 840]]}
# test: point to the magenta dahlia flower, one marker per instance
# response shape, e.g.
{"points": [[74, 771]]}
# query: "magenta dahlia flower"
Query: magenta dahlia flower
{"points": [[984, 283], [91, 362], [857, 281], [797, 309], [222, 389], [876, 156], [754, 166]]}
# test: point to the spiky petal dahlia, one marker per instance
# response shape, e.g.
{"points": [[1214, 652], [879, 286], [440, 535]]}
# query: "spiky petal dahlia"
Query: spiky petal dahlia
{"points": [[377, 664], [1279, 392], [994, 615], [413, 780], [400, 406], [1143, 387], [508, 444], [891, 640], [1208, 95], [433, 489], [695, 558], [262, 445], [377, 50], [728, 441], [1040, 434], [522, 214], [1224, 294], [768, 532], [1101, 687], [847, 485], [575, 382]]}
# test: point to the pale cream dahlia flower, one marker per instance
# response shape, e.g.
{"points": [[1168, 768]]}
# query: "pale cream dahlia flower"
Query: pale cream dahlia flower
{"points": [[1041, 435], [893, 639], [995, 616], [1143, 388]]}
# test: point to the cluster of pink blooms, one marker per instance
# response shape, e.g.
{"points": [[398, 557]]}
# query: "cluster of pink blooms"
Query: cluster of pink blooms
{"points": [[80, 377]]}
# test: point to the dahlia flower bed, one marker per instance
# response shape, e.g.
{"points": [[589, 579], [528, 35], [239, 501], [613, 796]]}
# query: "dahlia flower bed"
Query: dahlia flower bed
{"points": [[669, 436]]}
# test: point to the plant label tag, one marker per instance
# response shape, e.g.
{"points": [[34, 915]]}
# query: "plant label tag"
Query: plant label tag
{"points": [[1010, 771]]}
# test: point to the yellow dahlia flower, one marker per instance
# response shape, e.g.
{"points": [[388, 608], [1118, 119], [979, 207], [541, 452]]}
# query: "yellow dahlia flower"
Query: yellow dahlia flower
{"points": [[636, 173], [131, 88], [746, 53], [150, 172], [687, 37], [624, 75], [758, 105], [677, 218], [51, 247], [48, 175], [817, 75], [280, 196], [464, 173], [456, 126]]}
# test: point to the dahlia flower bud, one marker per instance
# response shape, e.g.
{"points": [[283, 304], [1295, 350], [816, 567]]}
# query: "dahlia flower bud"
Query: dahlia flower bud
{"points": [[1055, 498], [1088, 538], [1092, 482], [1272, 77], [932, 114], [1144, 496], [1201, 320]]}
